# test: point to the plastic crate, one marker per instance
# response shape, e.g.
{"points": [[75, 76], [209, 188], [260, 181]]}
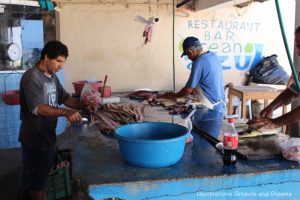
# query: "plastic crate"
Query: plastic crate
{"points": [[59, 183]]}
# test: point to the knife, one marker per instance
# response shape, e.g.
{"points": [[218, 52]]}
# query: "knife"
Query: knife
{"points": [[214, 141]]}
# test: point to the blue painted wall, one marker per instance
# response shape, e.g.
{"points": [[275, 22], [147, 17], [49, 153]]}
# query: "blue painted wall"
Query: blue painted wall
{"points": [[10, 115], [265, 186]]}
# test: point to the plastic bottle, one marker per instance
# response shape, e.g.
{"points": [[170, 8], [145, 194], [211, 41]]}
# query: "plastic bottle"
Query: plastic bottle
{"points": [[230, 143]]}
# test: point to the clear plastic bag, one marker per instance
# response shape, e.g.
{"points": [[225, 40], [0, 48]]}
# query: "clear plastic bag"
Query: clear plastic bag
{"points": [[290, 149], [89, 96], [187, 122]]}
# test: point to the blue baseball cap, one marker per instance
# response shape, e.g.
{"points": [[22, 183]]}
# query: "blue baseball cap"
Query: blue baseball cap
{"points": [[188, 43]]}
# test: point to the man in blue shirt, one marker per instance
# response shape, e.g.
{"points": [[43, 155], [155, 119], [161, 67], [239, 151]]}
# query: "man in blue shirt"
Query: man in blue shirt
{"points": [[206, 77]]}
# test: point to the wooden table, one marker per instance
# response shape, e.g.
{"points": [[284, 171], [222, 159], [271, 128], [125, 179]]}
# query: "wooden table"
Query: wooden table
{"points": [[252, 92]]}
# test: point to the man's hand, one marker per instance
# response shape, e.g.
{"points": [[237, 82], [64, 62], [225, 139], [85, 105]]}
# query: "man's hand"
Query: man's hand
{"points": [[182, 93], [168, 95], [87, 106], [90, 107], [266, 112], [264, 122], [73, 116]]}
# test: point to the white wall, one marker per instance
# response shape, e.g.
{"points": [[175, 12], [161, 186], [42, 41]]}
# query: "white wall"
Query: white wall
{"points": [[240, 36], [105, 39]]}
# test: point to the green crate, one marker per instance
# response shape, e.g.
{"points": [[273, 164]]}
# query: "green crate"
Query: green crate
{"points": [[59, 183]]}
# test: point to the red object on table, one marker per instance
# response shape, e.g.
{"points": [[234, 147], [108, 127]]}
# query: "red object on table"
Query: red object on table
{"points": [[105, 91], [78, 86]]}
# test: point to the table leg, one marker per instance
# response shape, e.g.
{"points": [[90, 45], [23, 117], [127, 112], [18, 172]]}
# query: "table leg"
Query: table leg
{"points": [[243, 107], [284, 128], [284, 109], [230, 105], [266, 102]]}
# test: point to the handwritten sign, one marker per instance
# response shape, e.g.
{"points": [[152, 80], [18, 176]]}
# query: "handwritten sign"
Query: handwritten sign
{"points": [[229, 40]]}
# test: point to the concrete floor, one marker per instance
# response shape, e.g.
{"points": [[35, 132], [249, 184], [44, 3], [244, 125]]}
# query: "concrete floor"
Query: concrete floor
{"points": [[10, 173]]}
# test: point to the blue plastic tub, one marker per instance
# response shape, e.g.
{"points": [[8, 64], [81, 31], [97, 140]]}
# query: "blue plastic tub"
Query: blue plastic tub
{"points": [[151, 144]]}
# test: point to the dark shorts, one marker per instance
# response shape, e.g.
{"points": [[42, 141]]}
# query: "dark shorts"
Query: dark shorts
{"points": [[36, 167]]}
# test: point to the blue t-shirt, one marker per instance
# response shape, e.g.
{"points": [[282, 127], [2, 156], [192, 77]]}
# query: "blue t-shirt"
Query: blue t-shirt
{"points": [[207, 73]]}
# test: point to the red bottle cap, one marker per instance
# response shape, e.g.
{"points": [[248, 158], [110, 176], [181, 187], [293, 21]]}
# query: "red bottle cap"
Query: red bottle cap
{"points": [[231, 120]]}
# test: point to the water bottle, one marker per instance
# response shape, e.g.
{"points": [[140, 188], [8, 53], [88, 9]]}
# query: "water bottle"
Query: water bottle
{"points": [[230, 143]]}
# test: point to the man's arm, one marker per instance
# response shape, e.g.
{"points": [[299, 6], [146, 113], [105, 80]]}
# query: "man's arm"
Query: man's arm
{"points": [[286, 119], [283, 99], [183, 92], [50, 111], [73, 103]]}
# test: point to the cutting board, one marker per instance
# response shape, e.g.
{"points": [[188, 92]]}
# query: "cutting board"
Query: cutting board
{"points": [[261, 147]]}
